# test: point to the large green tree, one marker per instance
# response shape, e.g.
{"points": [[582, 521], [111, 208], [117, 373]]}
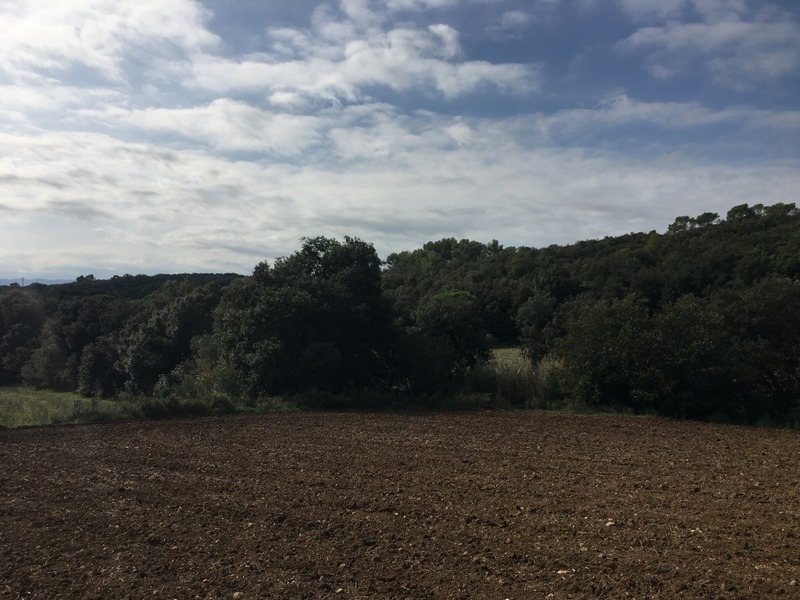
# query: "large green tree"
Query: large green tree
{"points": [[75, 323], [455, 317], [762, 334], [22, 316], [606, 353], [158, 340], [314, 320]]}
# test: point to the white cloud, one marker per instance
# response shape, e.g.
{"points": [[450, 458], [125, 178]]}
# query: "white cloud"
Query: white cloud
{"points": [[514, 19], [97, 34], [289, 42], [736, 53], [392, 179], [417, 5], [229, 125], [512, 22], [288, 100], [619, 109], [359, 11], [696, 36], [30, 101], [399, 59], [450, 47]]}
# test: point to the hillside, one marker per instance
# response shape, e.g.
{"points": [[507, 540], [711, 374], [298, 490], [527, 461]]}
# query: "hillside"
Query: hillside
{"points": [[702, 321]]}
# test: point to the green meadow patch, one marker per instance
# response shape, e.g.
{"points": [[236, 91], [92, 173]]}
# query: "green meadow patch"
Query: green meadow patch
{"points": [[506, 380], [20, 407], [509, 356], [26, 407]]}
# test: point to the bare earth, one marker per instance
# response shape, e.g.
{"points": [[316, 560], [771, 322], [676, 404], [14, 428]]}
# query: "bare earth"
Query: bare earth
{"points": [[471, 505]]}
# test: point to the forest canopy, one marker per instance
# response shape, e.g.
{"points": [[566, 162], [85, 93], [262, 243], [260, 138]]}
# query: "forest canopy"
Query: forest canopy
{"points": [[700, 322]]}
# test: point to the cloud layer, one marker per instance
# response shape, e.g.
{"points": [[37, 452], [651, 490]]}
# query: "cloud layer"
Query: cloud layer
{"points": [[146, 137]]}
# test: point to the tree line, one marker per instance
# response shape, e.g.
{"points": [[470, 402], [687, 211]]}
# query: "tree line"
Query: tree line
{"points": [[702, 321]]}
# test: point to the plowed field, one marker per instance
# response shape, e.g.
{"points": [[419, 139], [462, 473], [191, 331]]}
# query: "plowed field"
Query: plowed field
{"points": [[489, 505]]}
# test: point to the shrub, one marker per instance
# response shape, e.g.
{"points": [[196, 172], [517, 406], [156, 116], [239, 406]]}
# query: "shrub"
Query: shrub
{"points": [[548, 382]]}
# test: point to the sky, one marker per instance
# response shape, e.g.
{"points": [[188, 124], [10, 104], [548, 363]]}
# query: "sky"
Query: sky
{"points": [[173, 136]]}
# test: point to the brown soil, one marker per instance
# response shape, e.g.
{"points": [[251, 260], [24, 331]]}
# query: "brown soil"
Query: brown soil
{"points": [[499, 505]]}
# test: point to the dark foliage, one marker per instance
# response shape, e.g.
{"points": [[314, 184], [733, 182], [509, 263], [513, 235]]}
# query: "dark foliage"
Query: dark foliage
{"points": [[702, 321], [22, 316], [129, 287], [316, 320]]}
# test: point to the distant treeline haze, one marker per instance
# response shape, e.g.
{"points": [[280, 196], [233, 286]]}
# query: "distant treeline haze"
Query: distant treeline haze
{"points": [[700, 322]]}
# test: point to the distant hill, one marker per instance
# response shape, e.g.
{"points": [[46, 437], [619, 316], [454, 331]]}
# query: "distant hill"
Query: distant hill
{"points": [[29, 281], [126, 286], [131, 286]]}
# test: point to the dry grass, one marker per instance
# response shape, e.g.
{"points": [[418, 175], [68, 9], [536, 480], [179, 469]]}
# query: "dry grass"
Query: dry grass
{"points": [[21, 407]]}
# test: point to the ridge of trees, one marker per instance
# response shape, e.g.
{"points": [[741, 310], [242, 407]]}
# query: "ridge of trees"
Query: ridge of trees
{"points": [[701, 321], [131, 287]]}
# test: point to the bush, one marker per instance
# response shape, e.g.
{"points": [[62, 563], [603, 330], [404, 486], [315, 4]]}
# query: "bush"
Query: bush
{"points": [[508, 379], [549, 386], [517, 385]]}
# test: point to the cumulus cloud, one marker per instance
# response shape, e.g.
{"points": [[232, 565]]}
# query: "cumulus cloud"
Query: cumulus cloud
{"points": [[400, 59], [97, 34], [739, 47]]}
